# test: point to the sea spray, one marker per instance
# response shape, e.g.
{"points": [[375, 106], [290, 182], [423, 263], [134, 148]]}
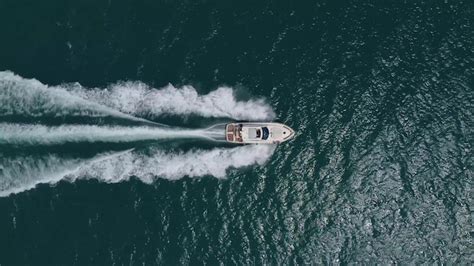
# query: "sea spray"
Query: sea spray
{"points": [[121, 166]]}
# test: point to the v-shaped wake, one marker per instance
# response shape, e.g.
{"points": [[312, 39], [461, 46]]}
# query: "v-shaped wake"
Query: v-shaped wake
{"points": [[23, 165]]}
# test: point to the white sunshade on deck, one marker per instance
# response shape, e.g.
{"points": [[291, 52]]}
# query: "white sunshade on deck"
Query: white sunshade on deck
{"points": [[252, 133]]}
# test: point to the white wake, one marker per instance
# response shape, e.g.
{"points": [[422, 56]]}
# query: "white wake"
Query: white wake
{"points": [[139, 99], [18, 134], [127, 100], [21, 174], [29, 97]]}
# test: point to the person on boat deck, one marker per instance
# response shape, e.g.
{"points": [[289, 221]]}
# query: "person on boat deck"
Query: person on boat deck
{"points": [[258, 133]]}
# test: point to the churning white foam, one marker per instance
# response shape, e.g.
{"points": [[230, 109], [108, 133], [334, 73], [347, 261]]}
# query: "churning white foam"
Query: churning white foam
{"points": [[124, 99], [138, 99], [23, 173], [50, 135], [16, 176], [29, 97], [196, 163]]}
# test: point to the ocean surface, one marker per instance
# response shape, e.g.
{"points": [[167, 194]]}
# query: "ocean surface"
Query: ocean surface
{"points": [[111, 146]]}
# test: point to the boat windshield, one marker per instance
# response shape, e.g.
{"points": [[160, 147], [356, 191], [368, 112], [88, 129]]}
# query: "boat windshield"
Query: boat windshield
{"points": [[265, 133]]}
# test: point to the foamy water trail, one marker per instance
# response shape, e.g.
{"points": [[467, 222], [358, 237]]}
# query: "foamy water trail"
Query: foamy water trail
{"points": [[51, 135], [21, 96], [17, 175], [127, 100], [160, 164], [23, 173], [138, 99], [29, 97]]}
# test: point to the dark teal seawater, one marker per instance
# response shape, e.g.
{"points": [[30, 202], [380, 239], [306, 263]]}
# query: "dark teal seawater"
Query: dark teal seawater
{"points": [[381, 94]]}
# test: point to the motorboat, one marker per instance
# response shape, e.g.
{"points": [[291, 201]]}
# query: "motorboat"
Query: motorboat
{"points": [[258, 133]]}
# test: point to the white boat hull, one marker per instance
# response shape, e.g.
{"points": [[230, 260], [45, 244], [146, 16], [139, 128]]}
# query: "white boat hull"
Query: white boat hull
{"points": [[258, 133]]}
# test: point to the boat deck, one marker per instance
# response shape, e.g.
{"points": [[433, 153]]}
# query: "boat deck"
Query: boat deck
{"points": [[233, 133]]}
